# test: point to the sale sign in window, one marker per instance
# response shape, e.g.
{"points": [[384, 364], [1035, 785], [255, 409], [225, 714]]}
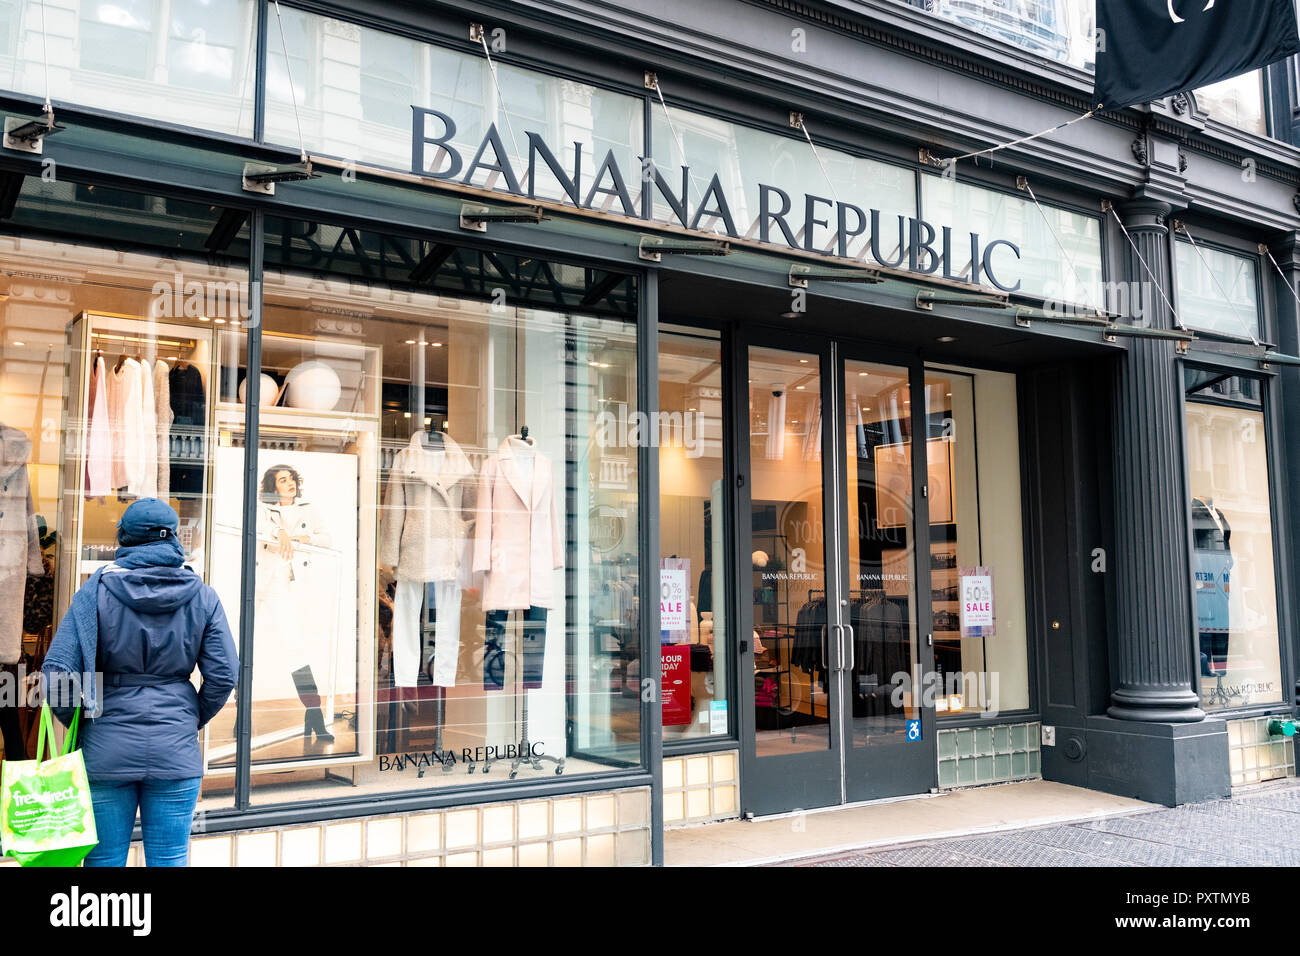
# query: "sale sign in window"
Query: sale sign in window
{"points": [[976, 595]]}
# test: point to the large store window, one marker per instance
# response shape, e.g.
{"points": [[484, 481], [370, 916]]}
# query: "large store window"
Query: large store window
{"points": [[331, 61], [189, 62], [447, 582], [109, 367], [1232, 534], [692, 535], [977, 563]]}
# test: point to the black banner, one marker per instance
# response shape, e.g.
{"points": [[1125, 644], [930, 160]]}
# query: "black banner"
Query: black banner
{"points": [[1147, 49]]}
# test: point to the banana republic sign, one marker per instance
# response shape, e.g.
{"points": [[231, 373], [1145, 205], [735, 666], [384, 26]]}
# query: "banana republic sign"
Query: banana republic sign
{"points": [[896, 241]]}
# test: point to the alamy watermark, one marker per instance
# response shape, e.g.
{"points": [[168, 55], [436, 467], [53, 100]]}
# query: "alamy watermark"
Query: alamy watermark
{"points": [[229, 300]]}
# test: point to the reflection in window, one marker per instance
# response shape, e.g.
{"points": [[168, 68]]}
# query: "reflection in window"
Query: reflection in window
{"points": [[1057, 29], [1217, 290], [1232, 533], [189, 62], [1237, 101]]}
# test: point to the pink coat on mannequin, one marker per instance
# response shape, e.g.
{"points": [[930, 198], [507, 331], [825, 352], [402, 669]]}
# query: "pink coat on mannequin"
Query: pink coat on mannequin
{"points": [[517, 535]]}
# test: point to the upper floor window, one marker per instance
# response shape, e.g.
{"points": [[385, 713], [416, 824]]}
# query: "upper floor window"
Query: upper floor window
{"points": [[1057, 29], [1238, 102]]}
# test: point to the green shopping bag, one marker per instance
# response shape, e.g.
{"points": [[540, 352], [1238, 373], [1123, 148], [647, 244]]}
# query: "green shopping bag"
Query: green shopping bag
{"points": [[46, 818]]}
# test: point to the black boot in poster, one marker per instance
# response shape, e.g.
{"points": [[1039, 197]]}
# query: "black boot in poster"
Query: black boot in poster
{"points": [[313, 720]]}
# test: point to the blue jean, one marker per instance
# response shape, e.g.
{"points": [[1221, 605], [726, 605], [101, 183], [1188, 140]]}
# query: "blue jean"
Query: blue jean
{"points": [[166, 814]]}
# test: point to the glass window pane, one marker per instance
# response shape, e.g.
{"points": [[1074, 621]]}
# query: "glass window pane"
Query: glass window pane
{"points": [[1217, 290], [791, 667], [693, 540], [1056, 29], [743, 158], [1232, 552], [447, 572], [882, 586], [1041, 269], [331, 59], [973, 450], [1237, 101], [188, 62]]}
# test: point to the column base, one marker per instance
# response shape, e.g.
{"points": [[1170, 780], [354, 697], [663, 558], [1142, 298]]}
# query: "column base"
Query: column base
{"points": [[1160, 762], [1174, 705]]}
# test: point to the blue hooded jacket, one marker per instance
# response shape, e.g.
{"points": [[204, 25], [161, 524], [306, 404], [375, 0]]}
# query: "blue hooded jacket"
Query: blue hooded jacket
{"points": [[156, 621]]}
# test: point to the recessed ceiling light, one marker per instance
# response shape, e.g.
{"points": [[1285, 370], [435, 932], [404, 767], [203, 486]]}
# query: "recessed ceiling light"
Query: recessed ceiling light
{"points": [[594, 364], [436, 345], [803, 361], [219, 321], [907, 401], [204, 318], [410, 341], [406, 414], [20, 344], [790, 315], [946, 338], [947, 394], [863, 374], [691, 409], [794, 421], [799, 388]]}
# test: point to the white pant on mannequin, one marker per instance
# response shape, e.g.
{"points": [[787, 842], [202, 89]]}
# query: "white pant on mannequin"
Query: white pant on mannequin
{"points": [[408, 605]]}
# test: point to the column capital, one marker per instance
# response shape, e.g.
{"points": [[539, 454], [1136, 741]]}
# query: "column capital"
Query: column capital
{"points": [[1146, 215]]}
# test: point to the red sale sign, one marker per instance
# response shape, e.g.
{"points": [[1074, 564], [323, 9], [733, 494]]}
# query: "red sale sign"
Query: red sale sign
{"points": [[676, 677]]}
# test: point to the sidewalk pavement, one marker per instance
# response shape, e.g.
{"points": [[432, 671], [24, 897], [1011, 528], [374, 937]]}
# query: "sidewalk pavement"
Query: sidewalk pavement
{"points": [[1260, 827], [1034, 823]]}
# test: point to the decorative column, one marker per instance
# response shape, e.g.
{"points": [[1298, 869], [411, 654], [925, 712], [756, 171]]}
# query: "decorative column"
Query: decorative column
{"points": [[1286, 251], [1154, 621]]}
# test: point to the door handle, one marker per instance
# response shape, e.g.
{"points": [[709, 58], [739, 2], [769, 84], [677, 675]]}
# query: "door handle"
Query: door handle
{"points": [[822, 647], [852, 655]]}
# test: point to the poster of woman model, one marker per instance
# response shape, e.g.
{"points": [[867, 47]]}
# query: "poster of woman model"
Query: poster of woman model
{"points": [[305, 601]]}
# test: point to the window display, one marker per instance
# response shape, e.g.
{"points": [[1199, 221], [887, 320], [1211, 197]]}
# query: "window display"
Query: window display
{"points": [[1232, 542], [447, 581], [976, 542]]}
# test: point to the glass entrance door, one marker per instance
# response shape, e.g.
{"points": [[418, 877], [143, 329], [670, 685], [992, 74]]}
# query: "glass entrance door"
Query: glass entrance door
{"points": [[830, 673], [886, 579]]}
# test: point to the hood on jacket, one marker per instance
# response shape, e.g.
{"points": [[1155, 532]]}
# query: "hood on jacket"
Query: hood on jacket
{"points": [[15, 449], [433, 468], [152, 590]]}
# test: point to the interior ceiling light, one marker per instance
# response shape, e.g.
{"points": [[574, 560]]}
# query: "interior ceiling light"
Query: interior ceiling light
{"points": [[946, 338], [410, 341], [790, 315], [436, 345]]}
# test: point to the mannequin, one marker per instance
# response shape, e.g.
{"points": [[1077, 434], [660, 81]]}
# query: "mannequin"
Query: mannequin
{"points": [[519, 545], [421, 537]]}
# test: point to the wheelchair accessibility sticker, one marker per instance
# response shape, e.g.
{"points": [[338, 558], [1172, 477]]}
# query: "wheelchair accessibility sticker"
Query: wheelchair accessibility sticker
{"points": [[913, 731]]}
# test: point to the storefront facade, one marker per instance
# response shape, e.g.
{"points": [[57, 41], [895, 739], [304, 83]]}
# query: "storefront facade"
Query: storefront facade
{"points": [[530, 309]]}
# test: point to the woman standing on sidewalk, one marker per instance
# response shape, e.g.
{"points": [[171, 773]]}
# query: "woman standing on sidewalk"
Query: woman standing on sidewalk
{"points": [[144, 622]]}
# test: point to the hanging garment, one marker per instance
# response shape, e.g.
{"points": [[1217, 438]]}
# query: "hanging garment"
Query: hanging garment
{"points": [[882, 647], [423, 527], [163, 407], [148, 434], [20, 549], [413, 603], [125, 414], [808, 649], [532, 650], [517, 539], [188, 401], [99, 447]]}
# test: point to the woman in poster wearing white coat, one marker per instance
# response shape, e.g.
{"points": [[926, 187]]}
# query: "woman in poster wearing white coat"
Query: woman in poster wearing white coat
{"points": [[285, 587]]}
